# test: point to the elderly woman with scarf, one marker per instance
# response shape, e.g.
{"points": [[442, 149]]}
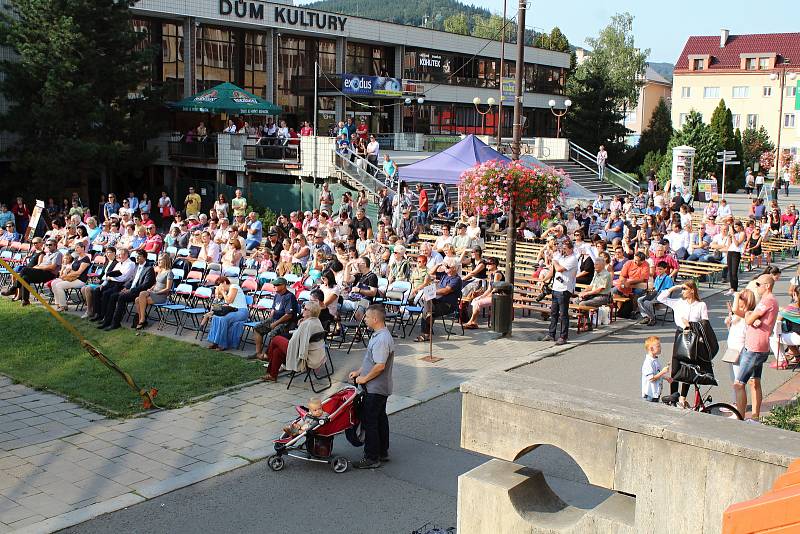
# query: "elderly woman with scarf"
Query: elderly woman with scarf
{"points": [[305, 349]]}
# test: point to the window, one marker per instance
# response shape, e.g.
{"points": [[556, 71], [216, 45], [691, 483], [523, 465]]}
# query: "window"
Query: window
{"points": [[752, 121], [766, 91], [698, 64], [750, 63], [737, 120], [788, 120], [741, 91], [630, 117], [686, 92], [710, 92], [791, 91], [763, 63], [682, 119]]}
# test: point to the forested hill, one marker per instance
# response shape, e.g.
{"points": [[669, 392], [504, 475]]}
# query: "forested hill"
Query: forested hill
{"points": [[428, 13]]}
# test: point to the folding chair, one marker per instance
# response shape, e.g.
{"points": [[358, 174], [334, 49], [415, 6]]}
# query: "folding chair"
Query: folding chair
{"points": [[311, 374], [190, 316], [355, 324], [182, 292]]}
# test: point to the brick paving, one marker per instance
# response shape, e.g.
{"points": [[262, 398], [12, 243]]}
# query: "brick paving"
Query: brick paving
{"points": [[61, 464]]}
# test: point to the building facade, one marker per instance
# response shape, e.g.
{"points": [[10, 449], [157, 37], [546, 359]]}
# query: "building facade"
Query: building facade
{"points": [[654, 89], [271, 49], [756, 75]]}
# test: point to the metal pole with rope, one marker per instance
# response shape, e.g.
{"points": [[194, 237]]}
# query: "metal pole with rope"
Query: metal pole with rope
{"points": [[146, 395]]}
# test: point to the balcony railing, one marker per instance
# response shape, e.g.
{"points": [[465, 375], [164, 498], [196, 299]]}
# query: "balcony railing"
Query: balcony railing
{"points": [[205, 150], [278, 152]]}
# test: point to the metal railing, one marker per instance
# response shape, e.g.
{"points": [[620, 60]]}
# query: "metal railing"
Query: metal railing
{"points": [[612, 175], [205, 150], [360, 170]]}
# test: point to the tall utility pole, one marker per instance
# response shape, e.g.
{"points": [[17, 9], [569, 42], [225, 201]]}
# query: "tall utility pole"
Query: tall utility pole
{"points": [[502, 63], [511, 230]]}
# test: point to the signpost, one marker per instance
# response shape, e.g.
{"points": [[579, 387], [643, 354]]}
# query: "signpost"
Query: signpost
{"points": [[726, 157], [427, 296]]}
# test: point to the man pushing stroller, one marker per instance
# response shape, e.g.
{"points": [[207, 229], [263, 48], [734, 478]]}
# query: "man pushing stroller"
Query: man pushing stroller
{"points": [[376, 376]]}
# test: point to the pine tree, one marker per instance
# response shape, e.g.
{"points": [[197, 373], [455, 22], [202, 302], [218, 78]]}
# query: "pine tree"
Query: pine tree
{"points": [[69, 89], [722, 124], [659, 130]]}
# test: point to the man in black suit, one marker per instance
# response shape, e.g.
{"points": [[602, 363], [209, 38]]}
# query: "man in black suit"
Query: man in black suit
{"points": [[143, 279]]}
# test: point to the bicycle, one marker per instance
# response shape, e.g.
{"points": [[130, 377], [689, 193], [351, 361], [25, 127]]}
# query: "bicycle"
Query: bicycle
{"points": [[701, 404]]}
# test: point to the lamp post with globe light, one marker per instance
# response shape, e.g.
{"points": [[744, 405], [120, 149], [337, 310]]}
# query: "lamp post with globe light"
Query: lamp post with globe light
{"points": [[559, 114], [781, 75], [490, 102]]}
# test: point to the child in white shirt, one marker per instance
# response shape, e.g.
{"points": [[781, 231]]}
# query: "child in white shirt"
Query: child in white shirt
{"points": [[652, 373]]}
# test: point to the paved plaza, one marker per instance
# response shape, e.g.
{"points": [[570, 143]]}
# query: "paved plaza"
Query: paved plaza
{"points": [[62, 464]]}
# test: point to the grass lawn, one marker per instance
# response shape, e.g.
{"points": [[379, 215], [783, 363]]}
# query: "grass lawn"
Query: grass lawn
{"points": [[39, 352]]}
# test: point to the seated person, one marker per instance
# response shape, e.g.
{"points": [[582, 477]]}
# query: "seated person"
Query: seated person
{"points": [[599, 291], [305, 349], [285, 310], [484, 300], [364, 283], [448, 293], [310, 420], [634, 277], [647, 301]]}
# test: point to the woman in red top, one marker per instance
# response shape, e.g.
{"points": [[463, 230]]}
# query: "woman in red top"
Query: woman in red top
{"points": [[306, 130], [22, 215]]}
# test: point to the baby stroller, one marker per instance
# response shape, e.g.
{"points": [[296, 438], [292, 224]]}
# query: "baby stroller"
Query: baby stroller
{"points": [[316, 444]]}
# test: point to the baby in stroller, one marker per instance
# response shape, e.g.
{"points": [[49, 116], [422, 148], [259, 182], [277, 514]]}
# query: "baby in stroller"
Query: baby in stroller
{"points": [[310, 420]]}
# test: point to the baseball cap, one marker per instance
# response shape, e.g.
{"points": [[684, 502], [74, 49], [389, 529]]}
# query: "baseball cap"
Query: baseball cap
{"points": [[280, 281]]}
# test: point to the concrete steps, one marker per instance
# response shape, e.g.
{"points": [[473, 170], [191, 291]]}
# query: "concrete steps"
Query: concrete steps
{"points": [[586, 178]]}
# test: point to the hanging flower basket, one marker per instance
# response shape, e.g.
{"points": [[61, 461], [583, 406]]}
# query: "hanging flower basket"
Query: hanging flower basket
{"points": [[489, 187]]}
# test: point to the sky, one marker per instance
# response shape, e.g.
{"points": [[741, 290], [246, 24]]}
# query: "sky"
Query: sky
{"points": [[661, 26]]}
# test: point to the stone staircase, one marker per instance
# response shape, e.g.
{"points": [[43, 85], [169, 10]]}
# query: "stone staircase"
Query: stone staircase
{"points": [[586, 178]]}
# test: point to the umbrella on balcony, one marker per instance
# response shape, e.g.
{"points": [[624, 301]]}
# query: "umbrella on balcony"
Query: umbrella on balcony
{"points": [[227, 98]]}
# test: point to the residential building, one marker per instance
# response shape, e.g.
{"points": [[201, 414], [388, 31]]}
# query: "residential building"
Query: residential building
{"points": [[755, 74], [655, 88]]}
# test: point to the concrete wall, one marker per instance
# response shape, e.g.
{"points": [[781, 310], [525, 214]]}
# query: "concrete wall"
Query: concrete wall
{"points": [[673, 471]]}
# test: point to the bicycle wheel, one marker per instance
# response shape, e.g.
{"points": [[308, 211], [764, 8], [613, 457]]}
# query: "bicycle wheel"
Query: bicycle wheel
{"points": [[722, 409]]}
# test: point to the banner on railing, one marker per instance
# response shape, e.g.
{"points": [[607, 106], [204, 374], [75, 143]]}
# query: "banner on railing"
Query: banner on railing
{"points": [[363, 85]]}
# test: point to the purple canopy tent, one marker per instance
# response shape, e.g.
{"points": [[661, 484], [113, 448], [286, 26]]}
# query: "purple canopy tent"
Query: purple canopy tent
{"points": [[446, 166]]}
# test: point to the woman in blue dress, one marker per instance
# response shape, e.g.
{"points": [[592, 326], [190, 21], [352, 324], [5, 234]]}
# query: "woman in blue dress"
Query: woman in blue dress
{"points": [[226, 330]]}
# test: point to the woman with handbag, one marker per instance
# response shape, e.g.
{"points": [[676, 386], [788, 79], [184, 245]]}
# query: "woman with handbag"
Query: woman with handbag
{"points": [[227, 317], [689, 308], [743, 302]]}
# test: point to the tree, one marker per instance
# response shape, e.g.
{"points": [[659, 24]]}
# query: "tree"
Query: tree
{"points": [[722, 124], [457, 23], [69, 89], [595, 117], [754, 143], [614, 52], [603, 86], [656, 136], [653, 161], [555, 40], [492, 28]]}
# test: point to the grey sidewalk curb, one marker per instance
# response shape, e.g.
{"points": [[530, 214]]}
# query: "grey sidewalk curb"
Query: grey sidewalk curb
{"points": [[169, 485]]}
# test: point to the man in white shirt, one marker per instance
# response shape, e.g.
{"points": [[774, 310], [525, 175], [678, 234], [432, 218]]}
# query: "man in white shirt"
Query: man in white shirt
{"points": [[724, 210], [373, 149], [434, 258], [678, 242], [113, 284], [566, 267]]}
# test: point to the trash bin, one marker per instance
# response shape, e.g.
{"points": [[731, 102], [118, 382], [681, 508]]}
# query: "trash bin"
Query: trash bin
{"points": [[502, 307]]}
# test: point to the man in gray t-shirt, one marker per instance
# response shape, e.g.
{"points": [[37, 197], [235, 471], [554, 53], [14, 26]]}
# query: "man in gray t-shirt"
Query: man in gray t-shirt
{"points": [[376, 376]]}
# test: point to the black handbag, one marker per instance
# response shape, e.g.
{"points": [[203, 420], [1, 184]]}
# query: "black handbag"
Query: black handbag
{"points": [[220, 310]]}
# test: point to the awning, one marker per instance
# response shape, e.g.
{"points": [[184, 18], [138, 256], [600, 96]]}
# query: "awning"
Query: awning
{"points": [[227, 98]]}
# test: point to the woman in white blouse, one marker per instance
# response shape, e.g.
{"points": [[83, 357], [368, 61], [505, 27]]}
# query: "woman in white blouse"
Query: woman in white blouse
{"points": [[687, 309]]}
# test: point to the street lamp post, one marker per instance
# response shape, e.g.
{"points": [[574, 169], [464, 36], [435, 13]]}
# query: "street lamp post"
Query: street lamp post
{"points": [[516, 143], [559, 114], [782, 80], [490, 103]]}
